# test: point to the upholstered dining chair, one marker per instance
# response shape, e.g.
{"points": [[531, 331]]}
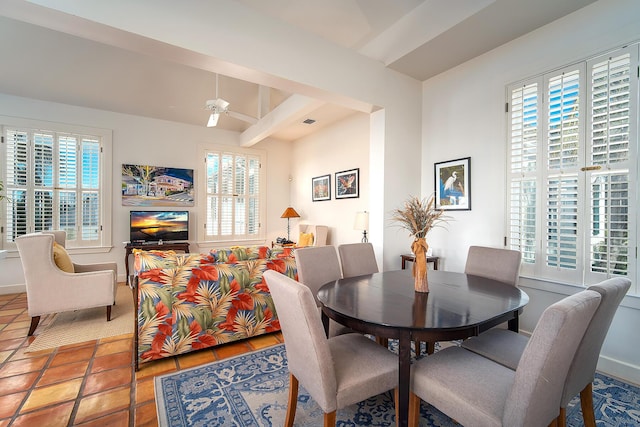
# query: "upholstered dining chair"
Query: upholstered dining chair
{"points": [[477, 391], [51, 289], [494, 263], [506, 348], [317, 266], [357, 259], [338, 371]]}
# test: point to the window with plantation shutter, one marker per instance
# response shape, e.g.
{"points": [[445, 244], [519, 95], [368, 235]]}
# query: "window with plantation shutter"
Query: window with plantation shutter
{"points": [[524, 134], [233, 195], [573, 162], [54, 181]]}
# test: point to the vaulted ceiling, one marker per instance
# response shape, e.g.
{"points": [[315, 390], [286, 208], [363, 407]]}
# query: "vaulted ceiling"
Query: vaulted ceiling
{"points": [[419, 38]]}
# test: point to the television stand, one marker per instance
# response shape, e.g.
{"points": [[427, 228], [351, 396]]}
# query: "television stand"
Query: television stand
{"points": [[165, 246]]}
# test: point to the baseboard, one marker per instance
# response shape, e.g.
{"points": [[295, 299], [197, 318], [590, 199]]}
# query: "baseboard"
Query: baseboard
{"points": [[621, 370], [613, 368], [13, 289]]}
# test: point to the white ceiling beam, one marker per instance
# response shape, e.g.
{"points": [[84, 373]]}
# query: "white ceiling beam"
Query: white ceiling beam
{"points": [[294, 108]]}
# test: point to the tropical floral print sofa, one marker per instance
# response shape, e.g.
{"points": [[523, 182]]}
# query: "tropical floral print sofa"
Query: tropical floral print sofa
{"points": [[188, 302]]}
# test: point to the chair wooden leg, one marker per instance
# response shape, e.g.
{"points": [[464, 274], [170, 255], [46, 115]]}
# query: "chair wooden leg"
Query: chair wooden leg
{"points": [[431, 347], [554, 423], [586, 403], [414, 410], [396, 399], [108, 313], [34, 324], [383, 341], [561, 421], [292, 402], [330, 419]]}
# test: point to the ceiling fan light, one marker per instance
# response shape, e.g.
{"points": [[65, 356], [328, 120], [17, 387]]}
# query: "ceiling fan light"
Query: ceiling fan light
{"points": [[213, 120]]}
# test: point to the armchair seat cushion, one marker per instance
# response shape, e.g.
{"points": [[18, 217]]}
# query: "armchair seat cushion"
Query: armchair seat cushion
{"points": [[62, 258]]}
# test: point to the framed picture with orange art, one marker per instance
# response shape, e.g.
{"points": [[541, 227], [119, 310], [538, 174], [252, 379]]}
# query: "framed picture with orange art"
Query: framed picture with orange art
{"points": [[321, 188], [348, 184]]}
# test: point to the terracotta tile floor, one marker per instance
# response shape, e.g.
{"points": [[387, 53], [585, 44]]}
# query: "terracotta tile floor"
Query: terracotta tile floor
{"points": [[87, 384]]}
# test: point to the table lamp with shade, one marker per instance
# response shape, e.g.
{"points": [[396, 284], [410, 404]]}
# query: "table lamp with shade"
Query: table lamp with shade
{"points": [[362, 223], [289, 213]]}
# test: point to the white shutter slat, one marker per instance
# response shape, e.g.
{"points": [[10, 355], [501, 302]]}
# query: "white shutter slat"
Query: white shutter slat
{"points": [[90, 184], [522, 219], [561, 224], [253, 224], [16, 183], [609, 223], [563, 120], [524, 128], [610, 104], [233, 212]]}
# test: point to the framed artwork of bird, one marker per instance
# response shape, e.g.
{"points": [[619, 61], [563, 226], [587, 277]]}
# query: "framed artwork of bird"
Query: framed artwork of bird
{"points": [[348, 184], [453, 184]]}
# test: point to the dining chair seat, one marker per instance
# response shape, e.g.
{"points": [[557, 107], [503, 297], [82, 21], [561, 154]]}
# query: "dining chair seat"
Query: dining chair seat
{"points": [[477, 391], [337, 371], [506, 348]]}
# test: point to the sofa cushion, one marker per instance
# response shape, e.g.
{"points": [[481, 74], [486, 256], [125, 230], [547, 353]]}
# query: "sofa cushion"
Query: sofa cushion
{"points": [[62, 259], [305, 239]]}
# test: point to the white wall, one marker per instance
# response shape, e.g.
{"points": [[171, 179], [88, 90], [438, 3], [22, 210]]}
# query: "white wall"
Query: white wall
{"points": [[463, 115], [254, 47], [138, 140], [343, 146]]}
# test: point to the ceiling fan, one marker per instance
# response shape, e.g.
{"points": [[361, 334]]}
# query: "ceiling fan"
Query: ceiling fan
{"points": [[220, 106]]}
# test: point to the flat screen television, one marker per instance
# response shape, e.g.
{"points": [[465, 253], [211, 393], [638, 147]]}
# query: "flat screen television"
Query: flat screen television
{"points": [[153, 226]]}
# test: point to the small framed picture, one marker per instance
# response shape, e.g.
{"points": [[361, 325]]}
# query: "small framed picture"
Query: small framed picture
{"points": [[453, 184], [348, 184], [321, 188]]}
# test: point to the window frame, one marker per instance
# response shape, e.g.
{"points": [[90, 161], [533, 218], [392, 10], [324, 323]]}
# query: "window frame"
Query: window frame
{"points": [[584, 273], [105, 137], [245, 239]]}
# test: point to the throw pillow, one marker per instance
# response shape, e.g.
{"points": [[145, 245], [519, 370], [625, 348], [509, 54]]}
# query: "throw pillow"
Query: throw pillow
{"points": [[62, 259], [306, 239]]}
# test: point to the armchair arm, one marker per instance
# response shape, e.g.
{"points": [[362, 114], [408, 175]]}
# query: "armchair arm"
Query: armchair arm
{"points": [[82, 268], [61, 291], [98, 267]]}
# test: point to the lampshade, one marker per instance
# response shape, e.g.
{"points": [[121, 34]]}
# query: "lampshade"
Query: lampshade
{"points": [[213, 120], [290, 213], [362, 221]]}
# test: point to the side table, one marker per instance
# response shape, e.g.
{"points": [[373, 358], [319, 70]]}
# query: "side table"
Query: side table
{"points": [[412, 258], [169, 246]]}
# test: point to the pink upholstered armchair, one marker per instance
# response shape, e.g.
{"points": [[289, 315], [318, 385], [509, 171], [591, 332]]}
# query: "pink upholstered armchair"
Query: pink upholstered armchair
{"points": [[52, 290]]}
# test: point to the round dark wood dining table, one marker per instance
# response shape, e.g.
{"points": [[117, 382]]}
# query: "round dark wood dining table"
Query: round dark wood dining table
{"points": [[385, 305]]}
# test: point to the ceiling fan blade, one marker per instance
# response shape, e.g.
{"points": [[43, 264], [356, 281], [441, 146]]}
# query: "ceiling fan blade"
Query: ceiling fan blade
{"points": [[242, 117]]}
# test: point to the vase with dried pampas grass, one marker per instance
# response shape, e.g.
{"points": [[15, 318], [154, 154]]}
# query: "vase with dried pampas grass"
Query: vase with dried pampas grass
{"points": [[419, 216]]}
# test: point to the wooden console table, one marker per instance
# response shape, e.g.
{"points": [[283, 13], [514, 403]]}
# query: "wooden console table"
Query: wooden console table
{"points": [[412, 258], [176, 246]]}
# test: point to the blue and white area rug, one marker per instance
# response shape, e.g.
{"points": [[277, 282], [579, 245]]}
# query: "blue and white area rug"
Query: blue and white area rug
{"points": [[251, 390]]}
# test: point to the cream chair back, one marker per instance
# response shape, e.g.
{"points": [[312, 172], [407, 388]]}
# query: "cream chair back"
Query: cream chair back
{"points": [[357, 259], [543, 367], [498, 264], [583, 367], [308, 354], [317, 266]]}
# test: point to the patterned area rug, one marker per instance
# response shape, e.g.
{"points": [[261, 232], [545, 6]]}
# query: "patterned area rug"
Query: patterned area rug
{"points": [[251, 390]]}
